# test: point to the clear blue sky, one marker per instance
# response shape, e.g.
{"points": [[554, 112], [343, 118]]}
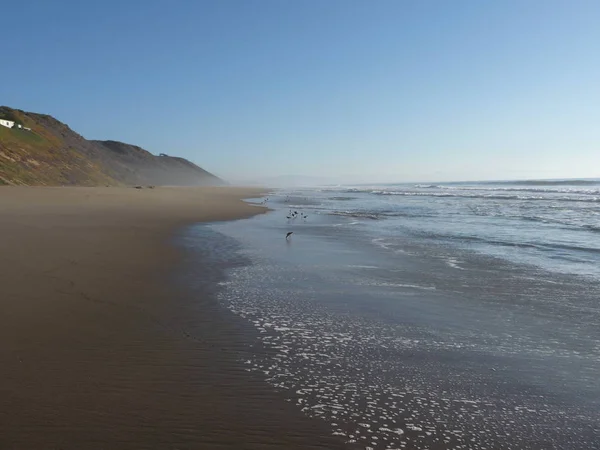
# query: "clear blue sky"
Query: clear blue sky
{"points": [[384, 90]]}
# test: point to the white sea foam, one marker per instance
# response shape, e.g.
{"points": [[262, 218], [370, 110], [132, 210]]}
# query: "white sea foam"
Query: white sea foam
{"points": [[454, 263]]}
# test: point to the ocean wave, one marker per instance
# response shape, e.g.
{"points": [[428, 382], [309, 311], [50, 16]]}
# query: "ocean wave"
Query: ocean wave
{"points": [[551, 182], [486, 196], [454, 263], [582, 187], [342, 198], [563, 223], [568, 224], [527, 245], [474, 193], [541, 190], [358, 266], [390, 245], [381, 242], [403, 285], [357, 214]]}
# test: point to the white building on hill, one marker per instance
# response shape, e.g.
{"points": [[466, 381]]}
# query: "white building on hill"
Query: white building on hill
{"points": [[7, 123]]}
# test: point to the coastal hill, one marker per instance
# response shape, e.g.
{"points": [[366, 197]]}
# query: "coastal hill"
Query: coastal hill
{"points": [[37, 149]]}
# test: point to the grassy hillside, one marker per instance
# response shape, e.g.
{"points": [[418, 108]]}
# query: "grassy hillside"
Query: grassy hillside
{"points": [[52, 154]]}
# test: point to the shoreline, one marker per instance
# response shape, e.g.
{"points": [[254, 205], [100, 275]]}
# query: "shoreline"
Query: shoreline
{"points": [[100, 350], [372, 329]]}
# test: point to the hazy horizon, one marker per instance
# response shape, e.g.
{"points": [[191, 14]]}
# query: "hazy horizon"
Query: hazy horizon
{"points": [[377, 91], [290, 181]]}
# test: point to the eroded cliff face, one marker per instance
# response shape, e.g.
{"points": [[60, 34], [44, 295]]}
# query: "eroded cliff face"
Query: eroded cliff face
{"points": [[52, 154]]}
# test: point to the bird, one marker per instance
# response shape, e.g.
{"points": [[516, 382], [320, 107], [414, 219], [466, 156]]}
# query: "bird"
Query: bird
{"points": [[287, 236]]}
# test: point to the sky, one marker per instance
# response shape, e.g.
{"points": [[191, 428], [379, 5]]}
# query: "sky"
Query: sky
{"points": [[337, 90]]}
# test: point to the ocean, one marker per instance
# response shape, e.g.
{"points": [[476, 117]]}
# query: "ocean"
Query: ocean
{"points": [[450, 316]]}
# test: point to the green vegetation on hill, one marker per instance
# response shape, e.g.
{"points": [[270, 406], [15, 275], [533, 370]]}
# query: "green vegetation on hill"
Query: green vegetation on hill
{"points": [[10, 114], [52, 154]]}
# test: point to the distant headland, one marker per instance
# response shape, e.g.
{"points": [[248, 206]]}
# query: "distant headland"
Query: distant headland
{"points": [[37, 149]]}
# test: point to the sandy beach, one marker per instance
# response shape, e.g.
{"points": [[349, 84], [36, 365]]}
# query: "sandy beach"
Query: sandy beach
{"points": [[101, 350]]}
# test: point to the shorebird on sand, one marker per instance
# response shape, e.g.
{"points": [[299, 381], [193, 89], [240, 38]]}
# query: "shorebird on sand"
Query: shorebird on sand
{"points": [[287, 236]]}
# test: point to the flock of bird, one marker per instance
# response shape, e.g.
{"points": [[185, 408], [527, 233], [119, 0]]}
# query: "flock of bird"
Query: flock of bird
{"points": [[292, 215], [295, 214]]}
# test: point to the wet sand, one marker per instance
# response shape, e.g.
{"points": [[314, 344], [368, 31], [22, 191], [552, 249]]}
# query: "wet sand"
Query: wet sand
{"points": [[101, 349]]}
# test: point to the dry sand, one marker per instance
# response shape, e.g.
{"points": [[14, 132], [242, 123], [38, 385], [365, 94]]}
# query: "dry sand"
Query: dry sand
{"points": [[100, 350]]}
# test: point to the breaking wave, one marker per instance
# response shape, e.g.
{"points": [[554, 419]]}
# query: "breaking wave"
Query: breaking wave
{"points": [[553, 182], [493, 196], [503, 243], [357, 214]]}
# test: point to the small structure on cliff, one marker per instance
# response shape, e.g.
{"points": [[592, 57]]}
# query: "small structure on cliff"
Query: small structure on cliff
{"points": [[7, 123], [11, 124]]}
